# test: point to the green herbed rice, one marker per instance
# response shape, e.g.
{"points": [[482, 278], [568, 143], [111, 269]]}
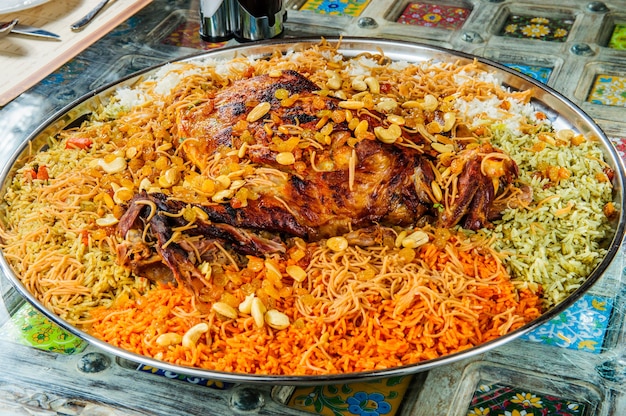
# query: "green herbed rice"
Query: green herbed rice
{"points": [[557, 241]]}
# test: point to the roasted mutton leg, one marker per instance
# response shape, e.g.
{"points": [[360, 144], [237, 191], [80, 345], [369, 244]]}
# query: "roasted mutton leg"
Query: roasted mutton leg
{"points": [[341, 181]]}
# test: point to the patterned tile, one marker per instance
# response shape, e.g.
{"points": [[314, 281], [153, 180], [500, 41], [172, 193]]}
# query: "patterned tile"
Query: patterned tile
{"points": [[219, 385], [581, 327], [433, 15], [500, 399], [620, 145], [336, 7], [534, 27], [540, 73], [618, 38], [30, 327], [187, 35], [608, 90], [375, 398]]}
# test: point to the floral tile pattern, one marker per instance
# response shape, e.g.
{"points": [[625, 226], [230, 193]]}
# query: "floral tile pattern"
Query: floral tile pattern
{"points": [[336, 7], [29, 327], [375, 398], [187, 35], [503, 400], [539, 28], [620, 146], [433, 15], [540, 73], [220, 385], [618, 38], [608, 90], [581, 327]]}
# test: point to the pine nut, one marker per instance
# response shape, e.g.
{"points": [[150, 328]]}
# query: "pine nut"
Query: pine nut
{"points": [[400, 237], [258, 112], [257, 310], [436, 191], [242, 150], [411, 104], [351, 104], [164, 147], [225, 310]]}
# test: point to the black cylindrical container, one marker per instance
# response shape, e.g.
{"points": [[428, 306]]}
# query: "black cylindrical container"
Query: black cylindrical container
{"points": [[259, 20]]}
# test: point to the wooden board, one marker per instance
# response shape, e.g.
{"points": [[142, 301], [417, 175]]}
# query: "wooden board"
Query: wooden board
{"points": [[26, 60]]}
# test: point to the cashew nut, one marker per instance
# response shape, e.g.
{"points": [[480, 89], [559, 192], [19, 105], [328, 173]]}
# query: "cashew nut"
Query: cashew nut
{"points": [[193, 334]]}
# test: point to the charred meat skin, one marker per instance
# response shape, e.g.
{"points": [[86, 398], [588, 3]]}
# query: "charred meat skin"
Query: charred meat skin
{"points": [[321, 203], [232, 105], [388, 185]]}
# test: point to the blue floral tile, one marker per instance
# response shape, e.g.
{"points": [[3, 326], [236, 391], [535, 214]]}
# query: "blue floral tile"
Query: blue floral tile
{"points": [[581, 327], [375, 398], [336, 7], [540, 73], [219, 385]]}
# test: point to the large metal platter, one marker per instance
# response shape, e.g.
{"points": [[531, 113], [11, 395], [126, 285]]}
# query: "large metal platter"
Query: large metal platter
{"points": [[562, 112]]}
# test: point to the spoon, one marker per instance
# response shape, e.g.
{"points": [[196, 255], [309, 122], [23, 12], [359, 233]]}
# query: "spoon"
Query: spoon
{"points": [[6, 28]]}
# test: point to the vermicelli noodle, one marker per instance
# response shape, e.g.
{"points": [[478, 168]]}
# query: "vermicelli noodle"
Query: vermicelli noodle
{"points": [[370, 298]]}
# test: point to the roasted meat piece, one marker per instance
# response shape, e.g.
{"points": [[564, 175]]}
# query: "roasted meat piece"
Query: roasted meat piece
{"points": [[335, 179]]}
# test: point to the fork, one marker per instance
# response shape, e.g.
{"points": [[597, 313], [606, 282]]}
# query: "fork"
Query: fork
{"points": [[89, 16], [6, 28]]}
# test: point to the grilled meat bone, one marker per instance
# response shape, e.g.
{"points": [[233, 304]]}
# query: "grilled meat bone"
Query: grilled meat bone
{"points": [[337, 182]]}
